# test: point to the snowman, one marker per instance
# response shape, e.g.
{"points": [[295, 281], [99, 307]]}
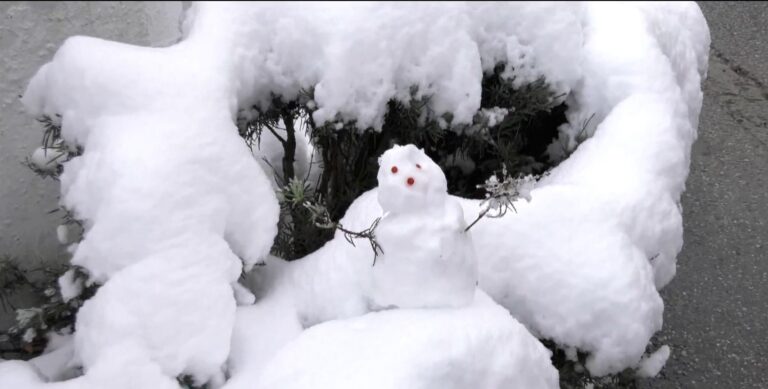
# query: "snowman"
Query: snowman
{"points": [[428, 259]]}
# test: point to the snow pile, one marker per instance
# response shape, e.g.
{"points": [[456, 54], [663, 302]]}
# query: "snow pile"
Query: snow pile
{"points": [[170, 163], [427, 258], [480, 346], [173, 202], [643, 67]]}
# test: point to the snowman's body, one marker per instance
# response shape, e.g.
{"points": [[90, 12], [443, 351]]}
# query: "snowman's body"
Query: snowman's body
{"points": [[428, 259]]}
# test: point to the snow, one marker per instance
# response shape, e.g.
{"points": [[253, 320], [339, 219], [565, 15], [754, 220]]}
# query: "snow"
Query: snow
{"points": [[457, 42], [643, 69], [46, 159], [56, 362], [494, 115], [69, 285], [479, 346], [651, 365], [175, 206], [260, 332], [592, 290], [177, 305], [427, 258], [62, 234], [128, 369]]}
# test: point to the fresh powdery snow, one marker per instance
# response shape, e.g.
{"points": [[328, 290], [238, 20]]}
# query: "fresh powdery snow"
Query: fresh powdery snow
{"points": [[175, 206]]}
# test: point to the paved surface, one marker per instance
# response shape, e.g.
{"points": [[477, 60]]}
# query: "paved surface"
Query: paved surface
{"points": [[716, 315]]}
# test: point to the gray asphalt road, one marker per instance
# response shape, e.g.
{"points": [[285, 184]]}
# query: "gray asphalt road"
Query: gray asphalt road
{"points": [[716, 315]]}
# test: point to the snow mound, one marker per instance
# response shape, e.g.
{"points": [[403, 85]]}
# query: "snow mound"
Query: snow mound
{"points": [[480, 346], [592, 290], [568, 274], [260, 332], [643, 67], [167, 162], [178, 304], [173, 203]]}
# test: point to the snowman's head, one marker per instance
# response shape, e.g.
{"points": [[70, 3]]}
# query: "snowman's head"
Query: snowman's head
{"points": [[409, 180]]}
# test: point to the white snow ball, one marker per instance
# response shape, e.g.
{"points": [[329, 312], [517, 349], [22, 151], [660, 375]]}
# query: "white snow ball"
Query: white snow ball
{"points": [[47, 159], [651, 365], [62, 234], [69, 285]]}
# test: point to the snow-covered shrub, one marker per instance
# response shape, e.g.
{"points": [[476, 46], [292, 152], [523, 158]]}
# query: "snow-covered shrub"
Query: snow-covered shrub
{"points": [[175, 207]]}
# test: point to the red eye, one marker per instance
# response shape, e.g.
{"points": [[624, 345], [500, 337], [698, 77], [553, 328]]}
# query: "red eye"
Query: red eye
{"points": [[411, 181], [418, 166], [394, 169]]}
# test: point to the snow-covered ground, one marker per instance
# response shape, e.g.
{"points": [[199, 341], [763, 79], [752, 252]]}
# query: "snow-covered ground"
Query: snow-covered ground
{"points": [[175, 205]]}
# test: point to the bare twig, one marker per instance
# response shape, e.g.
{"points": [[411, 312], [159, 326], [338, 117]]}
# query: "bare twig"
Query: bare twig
{"points": [[322, 219]]}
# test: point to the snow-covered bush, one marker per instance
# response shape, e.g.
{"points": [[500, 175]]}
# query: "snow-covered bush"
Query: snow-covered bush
{"points": [[175, 207]]}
